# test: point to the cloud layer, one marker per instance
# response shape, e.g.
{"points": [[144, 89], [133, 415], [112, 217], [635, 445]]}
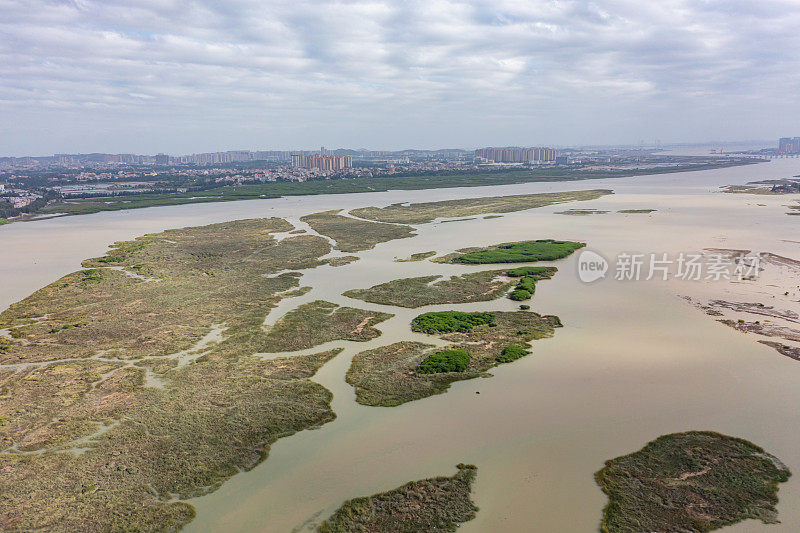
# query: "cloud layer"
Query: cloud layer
{"points": [[193, 75]]}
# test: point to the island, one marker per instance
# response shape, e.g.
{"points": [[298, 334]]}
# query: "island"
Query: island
{"points": [[405, 371], [353, 235], [696, 481], [435, 504], [133, 383], [425, 212]]}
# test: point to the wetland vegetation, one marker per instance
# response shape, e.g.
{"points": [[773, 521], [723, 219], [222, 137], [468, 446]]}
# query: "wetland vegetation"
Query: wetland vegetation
{"points": [[389, 375], [435, 504], [514, 252], [696, 481], [472, 287], [131, 385], [444, 361], [319, 322], [431, 290], [449, 321], [353, 235], [429, 211]]}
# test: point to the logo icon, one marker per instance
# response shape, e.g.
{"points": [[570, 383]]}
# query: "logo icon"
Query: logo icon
{"points": [[591, 266]]}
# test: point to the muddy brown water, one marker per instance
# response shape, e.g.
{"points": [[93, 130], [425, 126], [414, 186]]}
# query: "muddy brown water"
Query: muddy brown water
{"points": [[633, 361]]}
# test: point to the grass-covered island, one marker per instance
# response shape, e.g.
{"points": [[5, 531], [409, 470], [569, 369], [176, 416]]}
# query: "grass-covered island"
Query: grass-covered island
{"points": [[696, 481], [472, 287], [517, 252], [434, 504], [425, 212], [405, 371], [431, 290], [131, 384], [318, 322], [353, 235], [528, 276]]}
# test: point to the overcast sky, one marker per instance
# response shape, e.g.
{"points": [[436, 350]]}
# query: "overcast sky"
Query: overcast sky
{"points": [[184, 76]]}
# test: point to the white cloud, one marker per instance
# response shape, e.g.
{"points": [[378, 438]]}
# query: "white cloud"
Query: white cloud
{"points": [[193, 73]]}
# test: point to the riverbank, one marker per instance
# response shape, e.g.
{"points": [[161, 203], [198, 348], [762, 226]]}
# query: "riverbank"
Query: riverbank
{"points": [[349, 186]]}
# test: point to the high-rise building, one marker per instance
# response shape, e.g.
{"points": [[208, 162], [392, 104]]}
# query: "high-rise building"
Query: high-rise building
{"points": [[517, 155], [789, 145], [322, 162]]}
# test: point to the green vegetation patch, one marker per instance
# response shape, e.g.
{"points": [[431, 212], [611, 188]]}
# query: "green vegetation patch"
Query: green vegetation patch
{"points": [[519, 252], [519, 295], [352, 235], [426, 290], [429, 211], [450, 321], [319, 322], [435, 504], [535, 272], [512, 353], [445, 361], [696, 481], [389, 375]]}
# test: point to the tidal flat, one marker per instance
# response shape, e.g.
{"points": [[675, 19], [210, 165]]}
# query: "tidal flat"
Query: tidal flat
{"points": [[540, 426], [164, 335], [91, 439]]}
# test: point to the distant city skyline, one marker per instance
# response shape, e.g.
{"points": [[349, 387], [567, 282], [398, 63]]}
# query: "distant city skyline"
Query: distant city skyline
{"points": [[180, 76], [222, 156]]}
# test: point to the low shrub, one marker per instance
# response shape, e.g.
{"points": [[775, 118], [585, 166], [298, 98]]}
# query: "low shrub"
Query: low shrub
{"points": [[527, 283], [519, 295], [536, 272], [445, 361], [512, 353], [449, 321]]}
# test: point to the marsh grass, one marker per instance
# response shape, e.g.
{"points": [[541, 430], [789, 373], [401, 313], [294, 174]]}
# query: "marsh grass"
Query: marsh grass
{"points": [[519, 252], [422, 213], [435, 504], [388, 376], [352, 235], [83, 346], [696, 481], [430, 290]]}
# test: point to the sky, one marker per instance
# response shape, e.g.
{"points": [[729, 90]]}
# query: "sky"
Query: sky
{"points": [[187, 76]]}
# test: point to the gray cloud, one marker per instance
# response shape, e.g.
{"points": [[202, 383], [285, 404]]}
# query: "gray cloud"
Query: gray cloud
{"points": [[192, 75]]}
